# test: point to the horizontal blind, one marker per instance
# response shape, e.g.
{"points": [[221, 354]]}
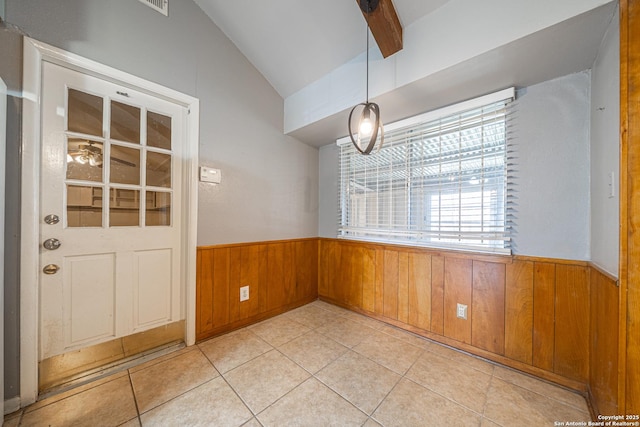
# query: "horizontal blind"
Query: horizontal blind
{"points": [[440, 183]]}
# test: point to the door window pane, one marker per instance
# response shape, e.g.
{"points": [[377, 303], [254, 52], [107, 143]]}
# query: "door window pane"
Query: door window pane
{"points": [[84, 206], [158, 131], [84, 113], [124, 209], [84, 160], [158, 169], [125, 122], [158, 210], [125, 165]]}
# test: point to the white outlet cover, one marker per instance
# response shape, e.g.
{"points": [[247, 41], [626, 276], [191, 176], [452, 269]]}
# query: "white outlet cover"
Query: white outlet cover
{"points": [[461, 311], [244, 293]]}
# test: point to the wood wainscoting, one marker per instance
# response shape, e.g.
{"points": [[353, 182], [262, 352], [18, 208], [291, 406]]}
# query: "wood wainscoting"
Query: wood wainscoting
{"points": [[605, 343], [281, 275], [533, 314]]}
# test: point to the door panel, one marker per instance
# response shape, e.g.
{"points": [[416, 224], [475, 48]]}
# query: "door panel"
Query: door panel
{"points": [[111, 171], [152, 288], [89, 287]]}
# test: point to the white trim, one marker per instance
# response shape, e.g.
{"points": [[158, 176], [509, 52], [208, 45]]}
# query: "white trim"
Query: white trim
{"points": [[11, 405], [432, 115], [35, 53], [29, 225], [3, 150]]}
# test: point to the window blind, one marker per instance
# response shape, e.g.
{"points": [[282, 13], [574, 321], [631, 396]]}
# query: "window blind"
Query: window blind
{"points": [[440, 180]]}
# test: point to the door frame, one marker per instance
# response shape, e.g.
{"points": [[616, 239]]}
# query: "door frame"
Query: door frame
{"points": [[35, 54], [3, 148]]}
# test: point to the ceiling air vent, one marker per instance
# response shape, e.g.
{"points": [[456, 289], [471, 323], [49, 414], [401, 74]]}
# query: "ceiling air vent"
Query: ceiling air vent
{"points": [[161, 6]]}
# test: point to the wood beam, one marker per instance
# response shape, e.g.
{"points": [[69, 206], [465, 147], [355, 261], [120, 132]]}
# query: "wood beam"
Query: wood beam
{"points": [[385, 27]]}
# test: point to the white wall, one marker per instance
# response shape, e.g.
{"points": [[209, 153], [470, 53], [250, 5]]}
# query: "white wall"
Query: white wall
{"points": [[551, 139], [605, 151], [551, 143], [329, 191]]}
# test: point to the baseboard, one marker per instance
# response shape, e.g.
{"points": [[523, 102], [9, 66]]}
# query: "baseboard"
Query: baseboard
{"points": [[11, 405]]}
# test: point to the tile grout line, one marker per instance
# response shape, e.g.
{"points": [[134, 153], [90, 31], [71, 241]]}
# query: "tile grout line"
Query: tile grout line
{"points": [[246, 405], [486, 396], [484, 409], [135, 399]]}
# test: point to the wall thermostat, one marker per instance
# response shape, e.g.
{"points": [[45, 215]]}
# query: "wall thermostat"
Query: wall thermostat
{"points": [[210, 175]]}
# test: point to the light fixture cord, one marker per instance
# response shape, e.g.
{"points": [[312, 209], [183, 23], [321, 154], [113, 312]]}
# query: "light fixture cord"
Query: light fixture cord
{"points": [[367, 32]]}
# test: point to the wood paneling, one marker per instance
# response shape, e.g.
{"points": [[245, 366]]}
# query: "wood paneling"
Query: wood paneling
{"points": [[220, 285], [276, 274], [437, 294], [235, 263], [204, 311], [390, 284], [603, 375], [544, 289], [458, 276], [354, 263], [518, 337], [329, 268], [379, 281], [571, 356], [280, 275], [253, 273], [368, 280], [305, 268], [487, 322], [420, 291], [403, 287], [629, 361], [346, 285], [530, 313]]}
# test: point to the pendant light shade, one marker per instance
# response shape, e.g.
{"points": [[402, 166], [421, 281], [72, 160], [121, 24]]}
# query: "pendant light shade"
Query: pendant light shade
{"points": [[364, 135], [369, 126]]}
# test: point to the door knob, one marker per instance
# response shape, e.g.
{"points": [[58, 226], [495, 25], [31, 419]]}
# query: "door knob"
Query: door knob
{"points": [[50, 269], [51, 219], [51, 244]]}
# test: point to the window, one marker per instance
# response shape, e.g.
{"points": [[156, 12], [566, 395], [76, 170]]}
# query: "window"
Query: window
{"points": [[440, 180]]}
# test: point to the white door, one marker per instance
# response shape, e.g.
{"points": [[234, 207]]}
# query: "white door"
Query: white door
{"points": [[110, 217]]}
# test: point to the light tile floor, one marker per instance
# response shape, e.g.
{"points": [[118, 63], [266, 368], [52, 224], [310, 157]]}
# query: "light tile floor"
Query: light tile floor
{"points": [[318, 365]]}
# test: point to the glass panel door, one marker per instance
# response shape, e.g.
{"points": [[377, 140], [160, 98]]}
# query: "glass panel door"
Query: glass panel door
{"points": [[139, 163]]}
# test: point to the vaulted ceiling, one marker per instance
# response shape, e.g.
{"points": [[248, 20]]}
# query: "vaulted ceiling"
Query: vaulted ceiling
{"points": [[292, 42], [312, 52]]}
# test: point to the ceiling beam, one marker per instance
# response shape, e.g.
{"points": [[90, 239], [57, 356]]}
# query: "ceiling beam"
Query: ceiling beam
{"points": [[385, 27]]}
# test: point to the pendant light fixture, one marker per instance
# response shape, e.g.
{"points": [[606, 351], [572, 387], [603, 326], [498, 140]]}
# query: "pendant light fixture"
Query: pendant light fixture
{"points": [[369, 125]]}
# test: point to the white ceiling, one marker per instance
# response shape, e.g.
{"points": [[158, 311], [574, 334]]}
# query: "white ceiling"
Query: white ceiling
{"points": [[295, 42]]}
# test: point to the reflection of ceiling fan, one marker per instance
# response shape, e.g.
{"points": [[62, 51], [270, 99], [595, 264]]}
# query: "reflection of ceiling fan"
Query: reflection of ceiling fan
{"points": [[90, 152]]}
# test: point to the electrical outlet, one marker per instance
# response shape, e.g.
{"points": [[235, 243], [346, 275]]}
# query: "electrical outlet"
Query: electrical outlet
{"points": [[244, 293], [461, 311]]}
